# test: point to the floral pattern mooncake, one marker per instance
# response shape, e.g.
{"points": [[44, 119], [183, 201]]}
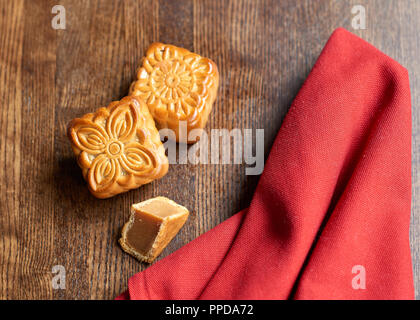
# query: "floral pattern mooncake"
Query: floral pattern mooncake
{"points": [[178, 87], [118, 147]]}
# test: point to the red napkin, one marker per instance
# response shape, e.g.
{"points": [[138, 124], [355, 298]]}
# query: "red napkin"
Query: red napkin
{"points": [[330, 216]]}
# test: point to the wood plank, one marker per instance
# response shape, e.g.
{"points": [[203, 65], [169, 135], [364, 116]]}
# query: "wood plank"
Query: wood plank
{"points": [[12, 27]]}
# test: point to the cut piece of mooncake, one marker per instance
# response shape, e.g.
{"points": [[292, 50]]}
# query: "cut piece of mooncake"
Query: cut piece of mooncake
{"points": [[118, 147], [179, 87], [152, 225]]}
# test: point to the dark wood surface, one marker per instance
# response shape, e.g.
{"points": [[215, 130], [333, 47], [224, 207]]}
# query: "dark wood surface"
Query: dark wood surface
{"points": [[264, 50]]}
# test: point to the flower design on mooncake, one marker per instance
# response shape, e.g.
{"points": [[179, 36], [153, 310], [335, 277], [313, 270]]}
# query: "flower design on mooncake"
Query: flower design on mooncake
{"points": [[118, 147], [177, 85]]}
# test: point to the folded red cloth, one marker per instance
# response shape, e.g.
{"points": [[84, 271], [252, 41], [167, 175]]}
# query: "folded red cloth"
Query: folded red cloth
{"points": [[330, 216]]}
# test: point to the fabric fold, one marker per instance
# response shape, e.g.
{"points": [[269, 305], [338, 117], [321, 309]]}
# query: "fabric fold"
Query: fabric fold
{"points": [[334, 197]]}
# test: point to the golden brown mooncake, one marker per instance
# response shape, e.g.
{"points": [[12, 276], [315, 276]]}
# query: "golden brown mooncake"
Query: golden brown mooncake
{"points": [[152, 225], [118, 147], [177, 85]]}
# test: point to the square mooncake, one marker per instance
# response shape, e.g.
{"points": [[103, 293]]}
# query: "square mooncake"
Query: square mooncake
{"points": [[178, 86], [118, 147], [152, 225]]}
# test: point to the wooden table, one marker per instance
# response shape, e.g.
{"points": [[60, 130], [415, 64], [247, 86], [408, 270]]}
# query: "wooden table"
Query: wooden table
{"points": [[264, 50]]}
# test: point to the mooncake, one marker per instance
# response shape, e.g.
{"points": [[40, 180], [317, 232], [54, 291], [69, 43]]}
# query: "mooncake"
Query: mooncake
{"points": [[152, 225], [118, 147], [179, 88]]}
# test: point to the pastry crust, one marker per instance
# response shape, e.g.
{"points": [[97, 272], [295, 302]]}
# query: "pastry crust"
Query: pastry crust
{"points": [[169, 227], [118, 147], [177, 86]]}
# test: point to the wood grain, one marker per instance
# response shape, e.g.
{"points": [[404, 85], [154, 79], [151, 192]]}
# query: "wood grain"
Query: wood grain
{"points": [[264, 51]]}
